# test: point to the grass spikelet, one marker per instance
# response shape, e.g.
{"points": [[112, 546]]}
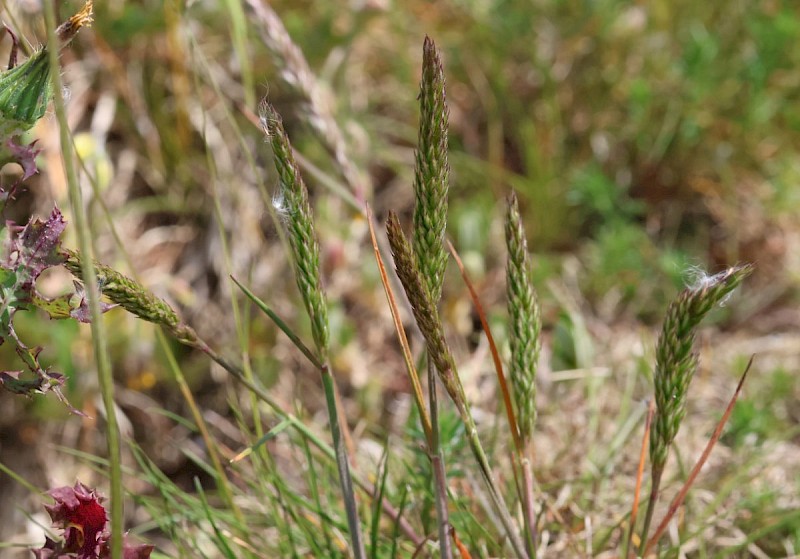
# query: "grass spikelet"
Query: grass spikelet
{"points": [[425, 313], [676, 364], [125, 292], [525, 321], [293, 196], [431, 173], [305, 252]]}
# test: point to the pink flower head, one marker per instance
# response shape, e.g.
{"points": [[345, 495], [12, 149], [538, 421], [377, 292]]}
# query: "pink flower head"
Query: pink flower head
{"points": [[78, 512]]}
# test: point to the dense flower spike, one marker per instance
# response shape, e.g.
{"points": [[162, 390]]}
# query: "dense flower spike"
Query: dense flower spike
{"points": [[79, 513], [425, 313], [676, 362], [126, 292], [431, 173], [300, 223], [525, 321]]}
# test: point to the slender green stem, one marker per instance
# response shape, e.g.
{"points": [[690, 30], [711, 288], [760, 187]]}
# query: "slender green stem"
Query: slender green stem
{"points": [[491, 484], [437, 465], [280, 323], [22, 480], [342, 464], [101, 357], [213, 451], [528, 512], [304, 430], [240, 45]]}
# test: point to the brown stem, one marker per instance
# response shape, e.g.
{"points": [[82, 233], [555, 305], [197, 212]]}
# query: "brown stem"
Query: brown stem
{"points": [[651, 504]]}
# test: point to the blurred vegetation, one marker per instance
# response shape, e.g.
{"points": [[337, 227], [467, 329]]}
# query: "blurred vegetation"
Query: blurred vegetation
{"points": [[643, 139]]}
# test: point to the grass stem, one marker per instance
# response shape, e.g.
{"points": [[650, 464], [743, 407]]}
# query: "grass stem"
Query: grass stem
{"points": [[99, 344]]}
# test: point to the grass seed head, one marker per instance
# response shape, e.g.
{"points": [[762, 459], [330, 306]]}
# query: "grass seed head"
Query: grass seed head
{"points": [[431, 173], [525, 321], [127, 293], [425, 312], [296, 212], [676, 360]]}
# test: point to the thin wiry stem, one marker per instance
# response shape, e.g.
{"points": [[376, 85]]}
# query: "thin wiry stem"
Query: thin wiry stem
{"points": [[102, 360]]}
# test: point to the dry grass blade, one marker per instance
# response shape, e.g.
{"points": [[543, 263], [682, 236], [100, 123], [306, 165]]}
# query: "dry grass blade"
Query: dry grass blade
{"points": [[679, 498], [419, 398], [463, 552], [498, 364], [317, 110], [651, 410]]}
